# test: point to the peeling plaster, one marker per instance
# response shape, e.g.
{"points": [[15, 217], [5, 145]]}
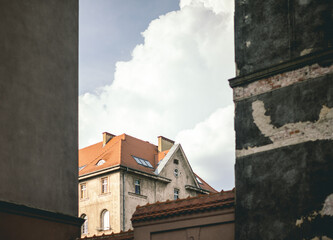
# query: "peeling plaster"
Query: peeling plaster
{"points": [[328, 206], [306, 51], [291, 133]]}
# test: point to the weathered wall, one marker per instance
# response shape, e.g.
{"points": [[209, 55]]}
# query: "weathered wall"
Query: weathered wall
{"points": [[184, 178], [96, 202], [147, 195], [213, 224], [39, 104], [283, 119], [270, 32]]}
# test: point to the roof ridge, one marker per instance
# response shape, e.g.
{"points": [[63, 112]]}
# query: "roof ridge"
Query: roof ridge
{"points": [[139, 139]]}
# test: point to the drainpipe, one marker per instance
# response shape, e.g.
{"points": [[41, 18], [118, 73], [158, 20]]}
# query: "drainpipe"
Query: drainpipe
{"points": [[124, 199]]}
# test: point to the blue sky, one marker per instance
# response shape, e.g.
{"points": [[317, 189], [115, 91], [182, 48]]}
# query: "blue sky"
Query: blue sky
{"points": [[161, 68], [109, 31]]}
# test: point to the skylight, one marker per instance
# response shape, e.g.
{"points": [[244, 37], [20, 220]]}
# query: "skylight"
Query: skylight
{"points": [[198, 180], [142, 162], [80, 168], [100, 162]]}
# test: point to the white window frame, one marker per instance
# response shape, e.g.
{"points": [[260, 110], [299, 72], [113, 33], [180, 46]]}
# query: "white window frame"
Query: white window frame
{"points": [[84, 228], [105, 220], [137, 185], [83, 190], [175, 193], [104, 185]]}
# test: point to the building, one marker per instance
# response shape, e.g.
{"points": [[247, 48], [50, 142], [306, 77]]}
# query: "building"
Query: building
{"points": [[283, 95], [206, 217], [122, 172], [39, 119]]}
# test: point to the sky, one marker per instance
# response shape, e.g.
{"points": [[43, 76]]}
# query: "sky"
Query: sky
{"points": [[154, 68]]}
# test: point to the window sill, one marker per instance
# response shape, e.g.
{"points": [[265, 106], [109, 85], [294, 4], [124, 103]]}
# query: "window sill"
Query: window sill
{"points": [[104, 194], [137, 195]]}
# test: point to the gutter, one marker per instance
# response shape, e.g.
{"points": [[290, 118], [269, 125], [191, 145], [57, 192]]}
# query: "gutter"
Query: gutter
{"points": [[120, 167], [189, 187]]}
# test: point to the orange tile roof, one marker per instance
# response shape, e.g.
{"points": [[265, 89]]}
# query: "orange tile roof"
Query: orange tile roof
{"points": [[118, 151], [200, 203], [161, 155]]}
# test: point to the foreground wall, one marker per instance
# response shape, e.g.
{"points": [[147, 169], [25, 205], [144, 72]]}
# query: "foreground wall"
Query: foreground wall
{"points": [[38, 115], [283, 96]]}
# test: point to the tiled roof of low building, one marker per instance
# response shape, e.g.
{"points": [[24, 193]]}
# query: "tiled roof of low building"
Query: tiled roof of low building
{"points": [[129, 235], [201, 203]]}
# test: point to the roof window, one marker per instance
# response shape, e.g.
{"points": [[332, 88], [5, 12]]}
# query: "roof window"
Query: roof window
{"points": [[143, 162], [198, 180], [80, 168], [100, 162]]}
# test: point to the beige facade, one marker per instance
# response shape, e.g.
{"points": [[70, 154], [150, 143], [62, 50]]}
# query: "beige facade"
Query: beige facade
{"points": [[128, 188]]}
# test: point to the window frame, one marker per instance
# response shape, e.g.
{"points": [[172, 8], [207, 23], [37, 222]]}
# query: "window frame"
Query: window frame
{"points": [[175, 193], [137, 186], [104, 185], [176, 172], [103, 222], [83, 191], [84, 227]]}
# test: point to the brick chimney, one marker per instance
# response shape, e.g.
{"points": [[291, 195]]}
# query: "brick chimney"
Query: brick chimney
{"points": [[107, 137], [164, 143]]}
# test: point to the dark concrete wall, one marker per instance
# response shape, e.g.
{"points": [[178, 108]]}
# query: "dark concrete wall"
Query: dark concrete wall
{"points": [[270, 32], [39, 104], [283, 98]]}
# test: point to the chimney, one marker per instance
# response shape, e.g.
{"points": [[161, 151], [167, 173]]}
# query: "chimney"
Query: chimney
{"points": [[107, 137], [164, 143]]}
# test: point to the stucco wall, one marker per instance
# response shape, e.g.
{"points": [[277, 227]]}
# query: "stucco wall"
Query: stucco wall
{"points": [[96, 202], [184, 178], [39, 104]]}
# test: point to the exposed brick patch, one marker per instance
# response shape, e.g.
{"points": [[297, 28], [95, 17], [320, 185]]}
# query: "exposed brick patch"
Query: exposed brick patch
{"points": [[280, 80]]}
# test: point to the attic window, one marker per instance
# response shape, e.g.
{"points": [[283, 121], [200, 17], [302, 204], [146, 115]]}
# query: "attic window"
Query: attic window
{"points": [[175, 161], [198, 180], [80, 168], [100, 162], [143, 162]]}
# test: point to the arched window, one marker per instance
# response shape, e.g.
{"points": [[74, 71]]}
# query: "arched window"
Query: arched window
{"points": [[84, 228], [105, 222]]}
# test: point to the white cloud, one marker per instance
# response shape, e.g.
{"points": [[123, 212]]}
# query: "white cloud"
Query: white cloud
{"points": [[176, 80], [210, 147]]}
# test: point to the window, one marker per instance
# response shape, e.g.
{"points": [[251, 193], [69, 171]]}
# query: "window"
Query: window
{"points": [[137, 186], [104, 182], [175, 161], [105, 224], [176, 172], [198, 180], [100, 162], [83, 191], [84, 228], [80, 168], [143, 162], [176, 194]]}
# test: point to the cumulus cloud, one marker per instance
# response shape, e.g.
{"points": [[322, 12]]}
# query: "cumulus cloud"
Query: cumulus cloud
{"points": [[175, 85]]}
